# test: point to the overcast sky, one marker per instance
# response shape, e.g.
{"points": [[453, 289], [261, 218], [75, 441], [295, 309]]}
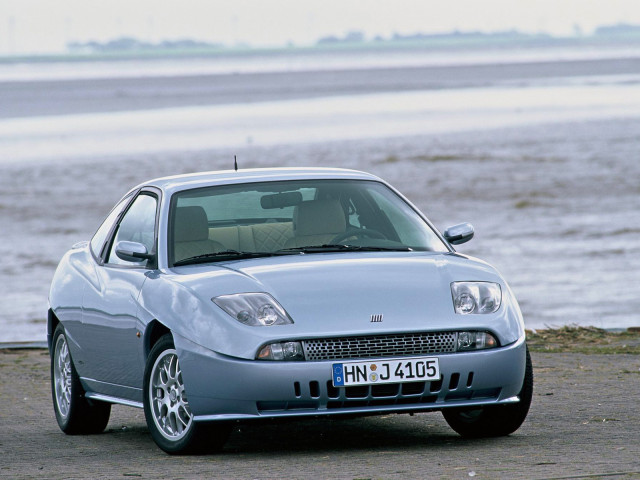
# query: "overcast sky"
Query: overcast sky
{"points": [[35, 26]]}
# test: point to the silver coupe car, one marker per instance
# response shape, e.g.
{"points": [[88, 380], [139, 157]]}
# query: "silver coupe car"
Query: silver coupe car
{"points": [[212, 298]]}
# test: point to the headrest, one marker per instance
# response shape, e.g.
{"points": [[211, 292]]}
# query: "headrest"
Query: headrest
{"points": [[319, 217], [191, 224]]}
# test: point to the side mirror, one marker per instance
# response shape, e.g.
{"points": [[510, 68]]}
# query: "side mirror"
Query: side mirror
{"points": [[132, 251], [458, 234]]}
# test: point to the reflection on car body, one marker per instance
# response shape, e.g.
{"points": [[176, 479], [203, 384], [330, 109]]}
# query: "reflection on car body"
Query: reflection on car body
{"points": [[234, 296]]}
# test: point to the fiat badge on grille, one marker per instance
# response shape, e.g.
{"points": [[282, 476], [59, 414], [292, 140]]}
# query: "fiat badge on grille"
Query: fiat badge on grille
{"points": [[376, 318]]}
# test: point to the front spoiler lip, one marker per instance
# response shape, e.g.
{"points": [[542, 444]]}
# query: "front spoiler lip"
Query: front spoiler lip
{"points": [[221, 388], [373, 410]]}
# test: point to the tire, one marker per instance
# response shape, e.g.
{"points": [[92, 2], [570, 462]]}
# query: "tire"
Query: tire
{"points": [[166, 406], [496, 420], [75, 414]]}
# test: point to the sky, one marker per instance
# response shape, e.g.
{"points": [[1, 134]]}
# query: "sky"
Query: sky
{"points": [[45, 26]]}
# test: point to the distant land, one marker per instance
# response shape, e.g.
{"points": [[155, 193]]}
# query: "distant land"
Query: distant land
{"points": [[623, 31], [131, 48], [128, 44]]}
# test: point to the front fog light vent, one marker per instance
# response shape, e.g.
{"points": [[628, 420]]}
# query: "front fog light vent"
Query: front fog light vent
{"points": [[287, 351], [475, 341]]}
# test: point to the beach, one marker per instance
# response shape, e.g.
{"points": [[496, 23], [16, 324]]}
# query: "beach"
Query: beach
{"points": [[540, 156]]}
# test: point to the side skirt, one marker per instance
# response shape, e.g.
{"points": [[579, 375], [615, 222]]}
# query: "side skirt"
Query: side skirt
{"points": [[110, 399]]}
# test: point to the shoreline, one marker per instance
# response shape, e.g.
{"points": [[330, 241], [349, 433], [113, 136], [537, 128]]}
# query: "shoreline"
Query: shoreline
{"points": [[132, 89]]}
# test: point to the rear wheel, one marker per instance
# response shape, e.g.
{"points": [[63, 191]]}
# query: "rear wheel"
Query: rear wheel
{"points": [[495, 420], [166, 406], [74, 413]]}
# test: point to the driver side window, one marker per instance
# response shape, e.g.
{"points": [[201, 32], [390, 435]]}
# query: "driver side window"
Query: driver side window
{"points": [[100, 237], [137, 225]]}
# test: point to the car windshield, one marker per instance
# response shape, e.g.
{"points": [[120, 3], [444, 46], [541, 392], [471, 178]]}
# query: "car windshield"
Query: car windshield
{"points": [[287, 217]]}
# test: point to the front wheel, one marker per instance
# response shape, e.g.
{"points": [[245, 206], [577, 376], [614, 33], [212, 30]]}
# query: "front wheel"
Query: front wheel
{"points": [[166, 406], [74, 413], [495, 420]]}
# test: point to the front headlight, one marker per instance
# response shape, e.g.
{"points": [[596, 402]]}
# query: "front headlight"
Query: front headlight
{"points": [[476, 297], [254, 309]]}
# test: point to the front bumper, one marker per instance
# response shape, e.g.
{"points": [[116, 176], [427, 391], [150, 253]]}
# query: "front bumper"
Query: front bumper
{"points": [[225, 388]]}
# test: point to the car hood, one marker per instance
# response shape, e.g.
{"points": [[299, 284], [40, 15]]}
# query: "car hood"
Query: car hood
{"points": [[337, 294]]}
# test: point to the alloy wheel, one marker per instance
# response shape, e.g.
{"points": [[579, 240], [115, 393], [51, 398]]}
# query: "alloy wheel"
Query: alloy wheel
{"points": [[167, 397], [62, 376]]}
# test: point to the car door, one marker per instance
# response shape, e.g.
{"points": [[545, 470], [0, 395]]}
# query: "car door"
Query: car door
{"points": [[111, 340]]}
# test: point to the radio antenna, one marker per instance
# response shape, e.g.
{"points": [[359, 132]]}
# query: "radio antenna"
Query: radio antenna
{"points": [[235, 162]]}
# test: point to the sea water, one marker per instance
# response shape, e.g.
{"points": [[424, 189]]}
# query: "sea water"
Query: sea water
{"points": [[543, 167]]}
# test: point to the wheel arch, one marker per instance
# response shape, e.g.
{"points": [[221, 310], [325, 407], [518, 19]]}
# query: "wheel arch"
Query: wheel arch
{"points": [[155, 331], [52, 323]]}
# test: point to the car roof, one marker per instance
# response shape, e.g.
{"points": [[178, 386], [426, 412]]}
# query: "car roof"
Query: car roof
{"points": [[225, 177]]}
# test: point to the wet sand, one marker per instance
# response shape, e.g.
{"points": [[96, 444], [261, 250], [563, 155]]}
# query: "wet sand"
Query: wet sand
{"points": [[556, 207], [37, 98]]}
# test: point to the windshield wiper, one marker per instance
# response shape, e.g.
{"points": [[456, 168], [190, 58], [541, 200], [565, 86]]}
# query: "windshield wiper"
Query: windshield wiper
{"points": [[221, 256], [342, 248], [237, 255]]}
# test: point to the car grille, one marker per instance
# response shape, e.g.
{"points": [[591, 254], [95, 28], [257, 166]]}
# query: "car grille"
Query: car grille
{"points": [[380, 346]]}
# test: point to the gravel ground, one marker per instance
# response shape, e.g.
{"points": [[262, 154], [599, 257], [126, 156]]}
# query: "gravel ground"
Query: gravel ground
{"points": [[583, 423]]}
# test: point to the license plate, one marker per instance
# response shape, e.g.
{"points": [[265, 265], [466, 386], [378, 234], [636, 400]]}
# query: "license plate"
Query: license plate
{"points": [[386, 371]]}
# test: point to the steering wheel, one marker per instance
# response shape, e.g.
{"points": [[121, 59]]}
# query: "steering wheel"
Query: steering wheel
{"points": [[358, 233]]}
